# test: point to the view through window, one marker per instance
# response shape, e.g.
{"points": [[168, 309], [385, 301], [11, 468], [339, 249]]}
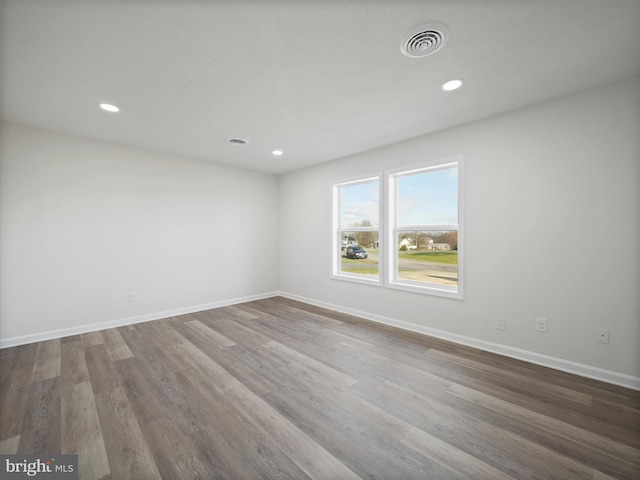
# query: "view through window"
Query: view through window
{"points": [[359, 223], [425, 226], [413, 236]]}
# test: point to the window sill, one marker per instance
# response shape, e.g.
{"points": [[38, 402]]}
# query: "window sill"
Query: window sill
{"points": [[430, 289], [355, 278]]}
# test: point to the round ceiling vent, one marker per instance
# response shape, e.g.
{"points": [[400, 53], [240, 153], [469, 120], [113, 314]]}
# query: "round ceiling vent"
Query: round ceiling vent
{"points": [[237, 141], [424, 40]]}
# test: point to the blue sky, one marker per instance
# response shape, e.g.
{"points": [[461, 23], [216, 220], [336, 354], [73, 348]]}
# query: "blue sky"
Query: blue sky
{"points": [[359, 202], [428, 198], [425, 198]]}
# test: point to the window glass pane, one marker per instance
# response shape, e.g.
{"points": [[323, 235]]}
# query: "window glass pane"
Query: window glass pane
{"points": [[428, 256], [359, 253], [429, 198], [359, 205]]}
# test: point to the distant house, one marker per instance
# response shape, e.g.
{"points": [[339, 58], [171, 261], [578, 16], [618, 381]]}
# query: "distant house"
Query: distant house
{"points": [[407, 243], [348, 241]]}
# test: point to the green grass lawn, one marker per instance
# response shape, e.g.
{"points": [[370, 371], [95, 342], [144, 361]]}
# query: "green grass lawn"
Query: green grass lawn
{"points": [[360, 269], [365, 266], [358, 260], [450, 258]]}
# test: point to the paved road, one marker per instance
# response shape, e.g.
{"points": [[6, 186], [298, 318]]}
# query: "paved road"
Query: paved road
{"points": [[427, 271]]}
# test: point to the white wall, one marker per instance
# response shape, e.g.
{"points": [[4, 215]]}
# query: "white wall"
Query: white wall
{"points": [[83, 223], [551, 208]]}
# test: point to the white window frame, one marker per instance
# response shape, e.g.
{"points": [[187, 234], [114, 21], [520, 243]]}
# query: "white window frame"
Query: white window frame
{"points": [[388, 230], [392, 230], [336, 231]]}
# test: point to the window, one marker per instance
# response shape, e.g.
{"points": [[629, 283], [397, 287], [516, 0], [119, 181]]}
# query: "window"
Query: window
{"points": [[419, 223], [424, 227], [356, 224]]}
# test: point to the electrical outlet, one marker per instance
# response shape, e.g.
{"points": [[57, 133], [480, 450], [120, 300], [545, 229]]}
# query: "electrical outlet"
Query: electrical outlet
{"points": [[501, 323], [603, 335], [541, 325], [133, 297]]}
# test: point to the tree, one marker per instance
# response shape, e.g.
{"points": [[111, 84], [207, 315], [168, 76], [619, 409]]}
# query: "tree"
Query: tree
{"points": [[365, 239], [422, 239], [450, 237]]}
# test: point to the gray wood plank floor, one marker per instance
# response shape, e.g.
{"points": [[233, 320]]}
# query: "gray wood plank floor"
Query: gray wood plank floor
{"points": [[277, 389]]}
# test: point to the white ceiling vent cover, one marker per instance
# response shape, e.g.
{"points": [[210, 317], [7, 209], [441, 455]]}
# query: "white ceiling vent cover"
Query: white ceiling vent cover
{"points": [[237, 141], [424, 40]]}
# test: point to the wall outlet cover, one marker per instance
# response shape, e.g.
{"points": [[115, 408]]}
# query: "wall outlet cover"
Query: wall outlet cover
{"points": [[541, 325], [603, 335]]}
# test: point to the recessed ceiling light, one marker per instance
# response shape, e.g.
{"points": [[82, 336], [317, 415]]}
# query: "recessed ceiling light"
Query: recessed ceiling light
{"points": [[452, 85], [277, 153], [109, 108]]}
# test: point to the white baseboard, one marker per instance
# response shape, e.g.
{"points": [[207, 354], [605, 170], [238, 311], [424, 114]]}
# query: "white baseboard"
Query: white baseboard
{"points": [[615, 378], [65, 332], [588, 371]]}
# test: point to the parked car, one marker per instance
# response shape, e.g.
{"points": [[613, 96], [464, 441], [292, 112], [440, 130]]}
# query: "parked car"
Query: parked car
{"points": [[354, 251]]}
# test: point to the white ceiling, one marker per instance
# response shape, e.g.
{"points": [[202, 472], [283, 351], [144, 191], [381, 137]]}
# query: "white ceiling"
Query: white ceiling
{"points": [[318, 79]]}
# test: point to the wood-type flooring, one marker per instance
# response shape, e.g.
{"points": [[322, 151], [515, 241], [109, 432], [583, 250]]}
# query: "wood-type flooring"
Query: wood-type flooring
{"points": [[277, 389]]}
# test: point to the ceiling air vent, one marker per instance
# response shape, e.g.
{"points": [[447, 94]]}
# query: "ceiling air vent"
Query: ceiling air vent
{"points": [[424, 40], [237, 141]]}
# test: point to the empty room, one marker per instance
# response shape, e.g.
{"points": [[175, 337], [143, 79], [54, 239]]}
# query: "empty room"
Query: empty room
{"points": [[320, 239]]}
